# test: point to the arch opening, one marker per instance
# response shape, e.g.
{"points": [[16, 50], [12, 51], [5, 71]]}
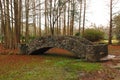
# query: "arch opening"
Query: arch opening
{"points": [[53, 51], [40, 51]]}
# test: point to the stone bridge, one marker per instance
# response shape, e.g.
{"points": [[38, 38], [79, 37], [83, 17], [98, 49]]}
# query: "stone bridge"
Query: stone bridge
{"points": [[81, 47]]}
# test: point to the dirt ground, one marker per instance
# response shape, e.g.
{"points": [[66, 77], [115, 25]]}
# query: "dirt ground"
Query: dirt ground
{"points": [[111, 72]]}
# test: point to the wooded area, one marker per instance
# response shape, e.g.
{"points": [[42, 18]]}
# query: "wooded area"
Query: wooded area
{"points": [[65, 47], [22, 19]]}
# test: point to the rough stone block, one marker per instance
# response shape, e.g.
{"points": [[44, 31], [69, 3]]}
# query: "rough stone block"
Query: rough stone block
{"points": [[96, 52], [22, 48]]}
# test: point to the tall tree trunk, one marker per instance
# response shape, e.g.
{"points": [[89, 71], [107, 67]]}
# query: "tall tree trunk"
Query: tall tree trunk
{"points": [[17, 25], [46, 29], [19, 18], [59, 26], [34, 17], [12, 24], [72, 17], [53, 18], [80, 16], [27, 18], [110, 29], [40, 18], [8, 28], [57, 22], [51, 27], [22, 26], [68, 26], [2, 21], [48, 22], [64, 28], [5, 28], [84, 16]]}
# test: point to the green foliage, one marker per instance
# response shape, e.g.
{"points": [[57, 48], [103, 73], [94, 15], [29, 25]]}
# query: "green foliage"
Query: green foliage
{"points": [[32, 38], [1, 37], [116, 21], [93, 34], [118, 37], [77, 34], [22, 37]]}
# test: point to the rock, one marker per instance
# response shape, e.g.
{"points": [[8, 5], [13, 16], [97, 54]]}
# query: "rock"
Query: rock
{"points": [[109, 57]]}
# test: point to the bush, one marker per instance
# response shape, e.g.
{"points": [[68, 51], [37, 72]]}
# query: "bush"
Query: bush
{"points": [[77, 34], [118, 36], [1, 38], [93, 34]]}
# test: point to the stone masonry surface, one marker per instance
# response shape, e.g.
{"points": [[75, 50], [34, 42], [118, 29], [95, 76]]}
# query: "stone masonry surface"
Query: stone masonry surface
{"points": [[81, 47]]}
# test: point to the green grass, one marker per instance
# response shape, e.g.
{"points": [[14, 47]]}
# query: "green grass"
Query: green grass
{"points": [[106, 41], [46, 68]]}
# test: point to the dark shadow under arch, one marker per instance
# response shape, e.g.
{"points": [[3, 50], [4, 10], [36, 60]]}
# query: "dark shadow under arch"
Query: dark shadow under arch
{"points": [[47, 51], [40, 51]]}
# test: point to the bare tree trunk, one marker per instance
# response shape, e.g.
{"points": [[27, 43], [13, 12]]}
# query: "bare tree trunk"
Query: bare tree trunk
{"points": [[19, 17], [34, 17], [72, 17], [2, 21], [40, 18], [5, 28], [17, 25], [110, 29], [57, 22], [22, 26], [46, 29], [64, 28], [48, 23], [59, 26], [27, 18], [80, 16], [8, 28], [12, 24], [51, 27], [84, 14], [53, 18], [68, 26]]}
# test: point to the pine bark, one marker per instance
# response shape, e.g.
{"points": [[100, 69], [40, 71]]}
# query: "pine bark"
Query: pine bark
{"points": [[110, 29]]}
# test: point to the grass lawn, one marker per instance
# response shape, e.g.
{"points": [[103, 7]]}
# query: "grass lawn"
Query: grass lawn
{"points": [[43, 67], [106, 41]]}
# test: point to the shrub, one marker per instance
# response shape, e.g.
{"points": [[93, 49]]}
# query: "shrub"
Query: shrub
{"points": [[77, 34], [93, 34], [1, 38]]}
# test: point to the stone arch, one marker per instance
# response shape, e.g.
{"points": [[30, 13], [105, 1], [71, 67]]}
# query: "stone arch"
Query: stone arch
{"points": [[70, 43], [80, 47]]}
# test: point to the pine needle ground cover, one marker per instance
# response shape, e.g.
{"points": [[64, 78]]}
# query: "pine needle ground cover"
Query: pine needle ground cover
{"points": [[43, 67]]}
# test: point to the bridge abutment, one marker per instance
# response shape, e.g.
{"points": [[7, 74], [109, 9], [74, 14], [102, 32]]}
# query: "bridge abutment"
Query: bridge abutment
{"points": [[96, 52]]}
